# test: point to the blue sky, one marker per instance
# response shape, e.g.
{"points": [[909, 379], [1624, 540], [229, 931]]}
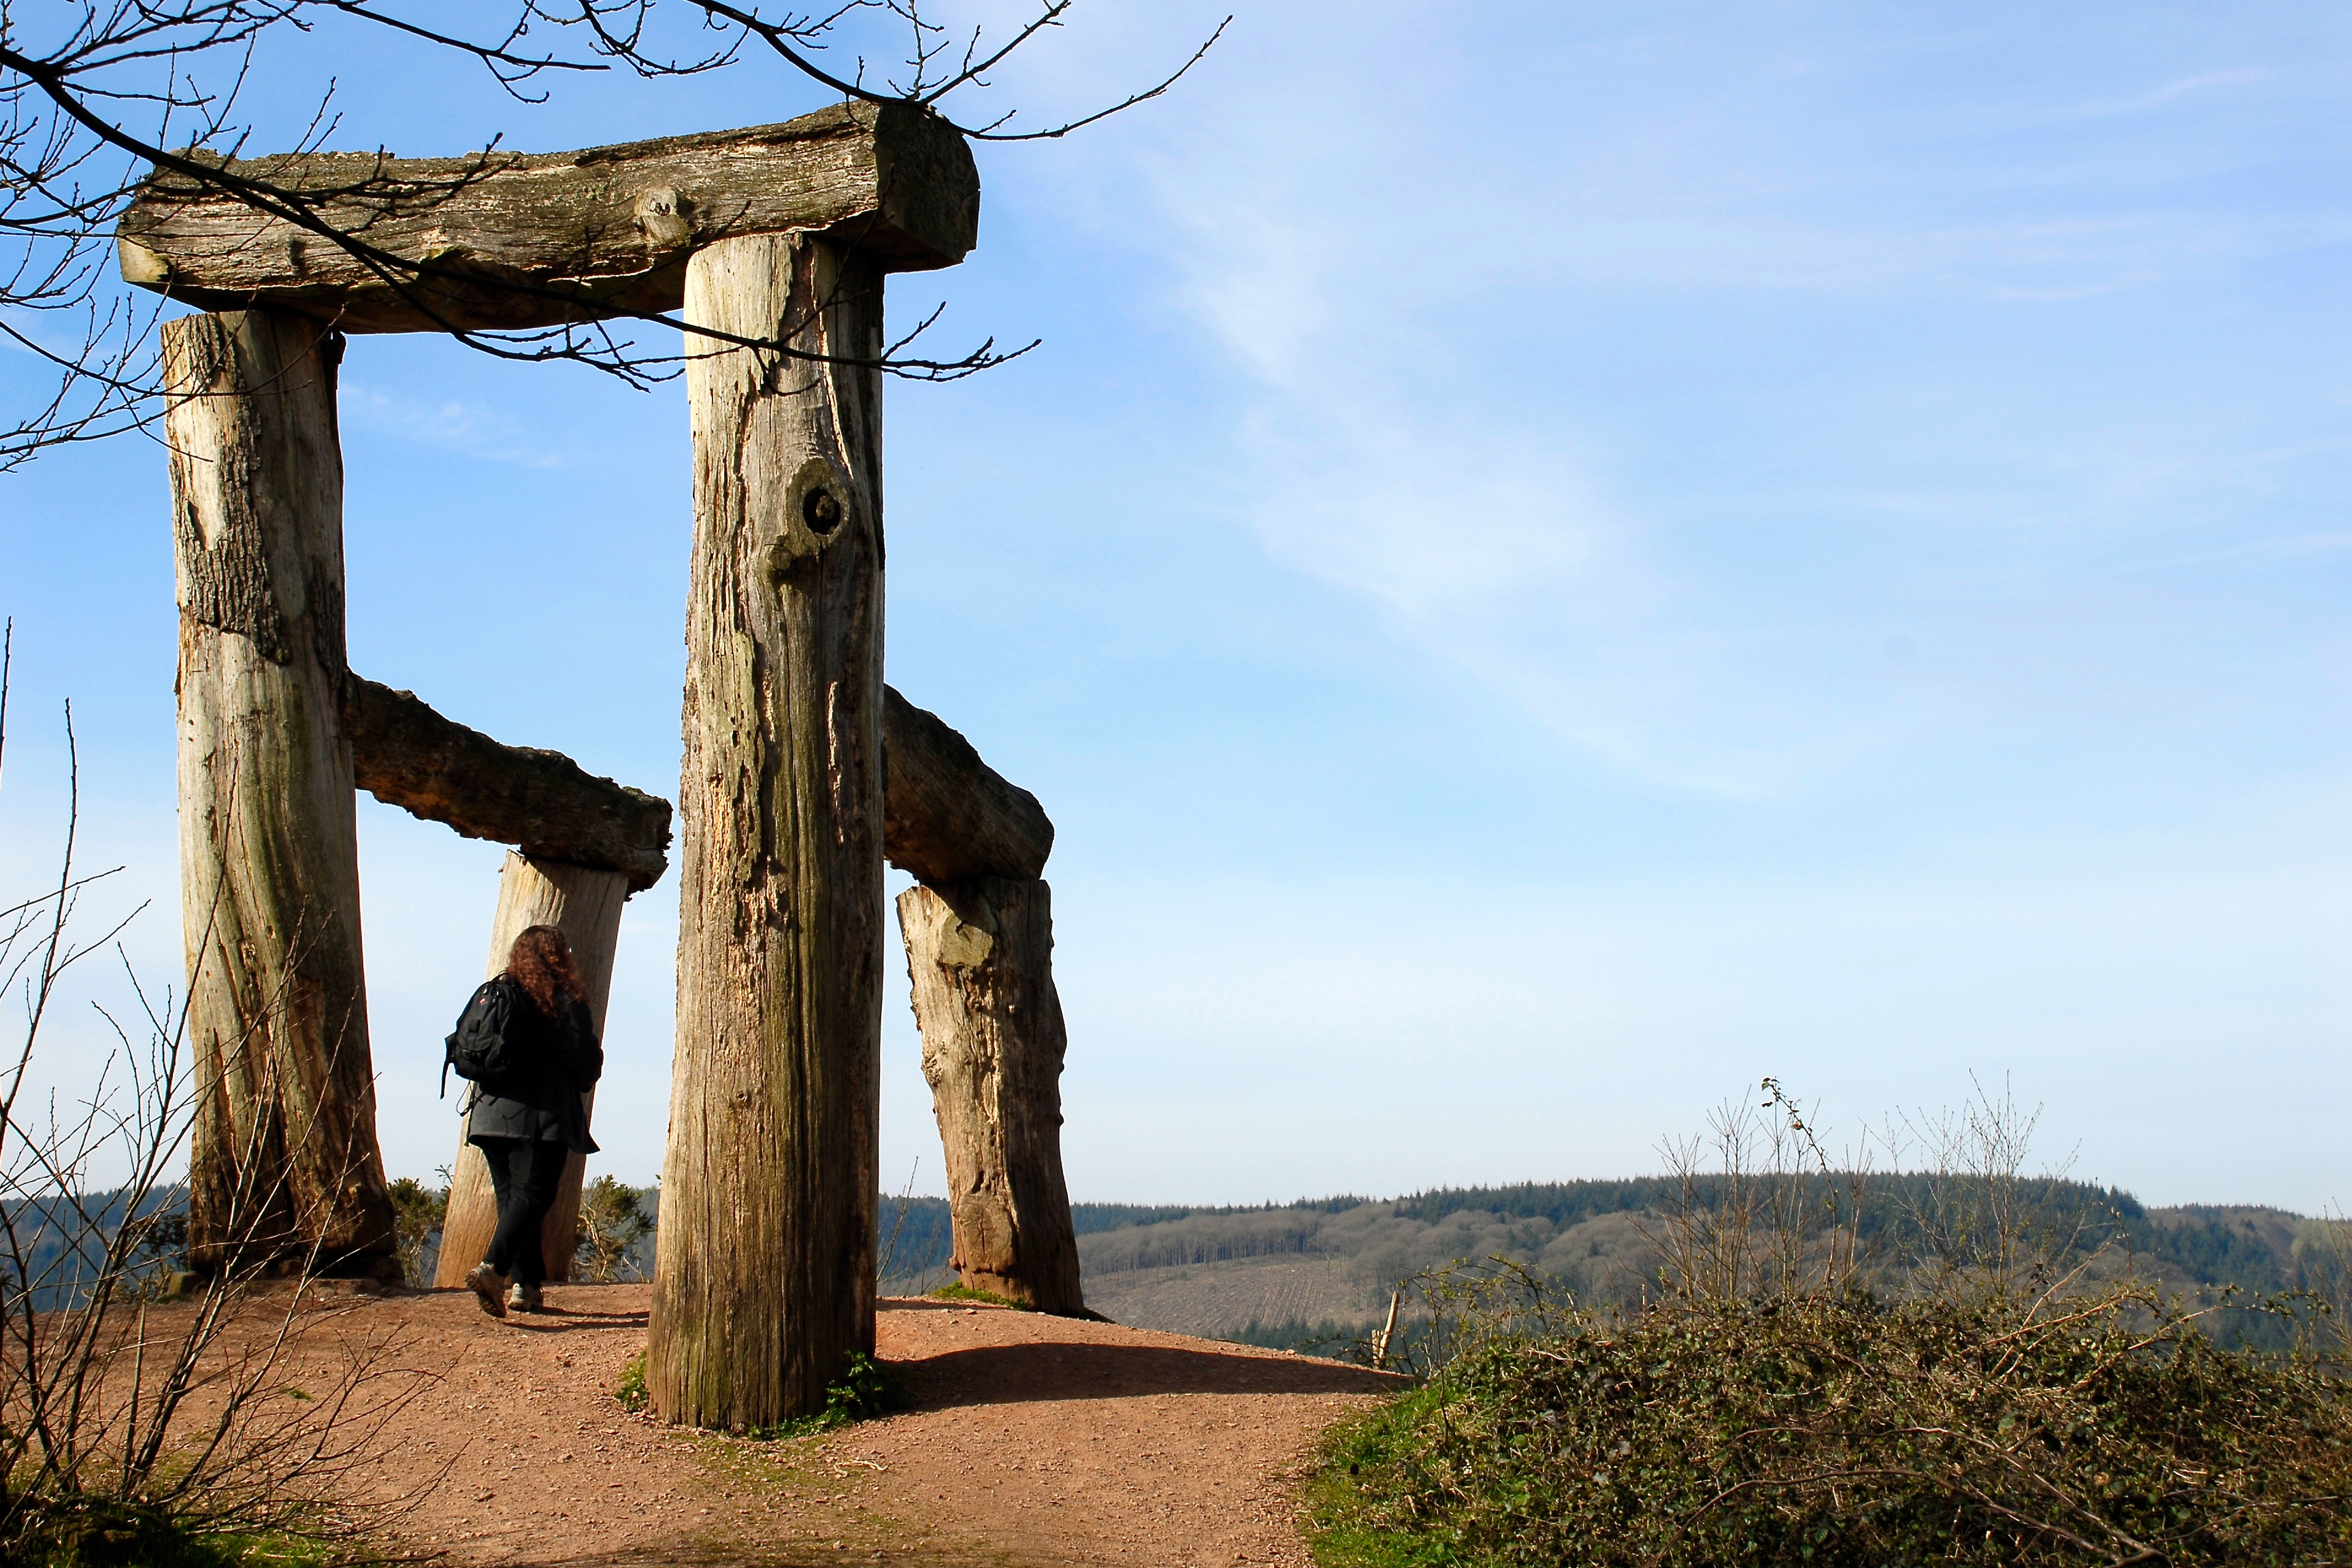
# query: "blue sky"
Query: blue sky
{"points": [[1554, 560]]}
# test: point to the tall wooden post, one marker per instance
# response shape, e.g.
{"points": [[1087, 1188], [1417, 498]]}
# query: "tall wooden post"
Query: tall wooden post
{"points": [[980, 956], [763, 1282], [585, 905], [285, 1166]]}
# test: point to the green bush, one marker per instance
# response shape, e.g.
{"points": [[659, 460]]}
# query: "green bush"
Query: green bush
{"points": [[863, 1391], [613, 1223], [1835, 1429], [631, 1392], [1796, 1384], [417, 1212]]}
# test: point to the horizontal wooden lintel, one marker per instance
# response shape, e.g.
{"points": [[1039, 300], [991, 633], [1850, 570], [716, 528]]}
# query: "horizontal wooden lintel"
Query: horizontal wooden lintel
{"points": [[543, 803], [948, 816], [516, 241]]}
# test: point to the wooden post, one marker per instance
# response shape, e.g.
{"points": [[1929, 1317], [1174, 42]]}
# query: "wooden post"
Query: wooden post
{"points": [[585, 905], [284, 1167], [763, 1282], [980, 954]]}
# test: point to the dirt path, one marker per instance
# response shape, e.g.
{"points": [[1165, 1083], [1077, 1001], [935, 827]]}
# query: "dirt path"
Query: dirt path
{"points": [[1033, 1440]]}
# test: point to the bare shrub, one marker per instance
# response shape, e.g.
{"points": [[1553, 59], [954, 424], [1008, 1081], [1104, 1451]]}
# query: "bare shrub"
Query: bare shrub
{"points": [[2322, 1251], [126, 1420]]}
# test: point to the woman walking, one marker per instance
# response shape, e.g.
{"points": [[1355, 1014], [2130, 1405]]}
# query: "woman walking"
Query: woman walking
{"points": [[530, 1119]]}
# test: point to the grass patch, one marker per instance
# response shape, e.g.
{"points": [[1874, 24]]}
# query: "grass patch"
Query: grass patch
{"points": [[114, 1535], [1348, 1524], [961, 1292], [863, 1391], [631, 1391]]}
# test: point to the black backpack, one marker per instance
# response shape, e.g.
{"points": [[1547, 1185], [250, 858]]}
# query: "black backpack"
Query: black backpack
{"points": [[484, 1050]]}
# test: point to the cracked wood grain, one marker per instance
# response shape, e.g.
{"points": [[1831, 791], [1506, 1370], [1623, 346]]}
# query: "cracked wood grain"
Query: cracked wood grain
{"points": [[764, 1281]]}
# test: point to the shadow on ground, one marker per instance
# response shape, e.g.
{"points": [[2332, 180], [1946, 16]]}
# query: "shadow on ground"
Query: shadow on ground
{"points": [[1007, 1374]]}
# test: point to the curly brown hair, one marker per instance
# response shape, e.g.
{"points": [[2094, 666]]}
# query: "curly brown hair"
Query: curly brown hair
{"points": [[541, 963]]}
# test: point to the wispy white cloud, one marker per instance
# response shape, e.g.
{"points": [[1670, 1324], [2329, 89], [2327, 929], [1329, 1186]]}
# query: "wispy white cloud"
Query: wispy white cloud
{"points": [[1389, 263], [2166, 95], [458, 425], [1486, 534]]}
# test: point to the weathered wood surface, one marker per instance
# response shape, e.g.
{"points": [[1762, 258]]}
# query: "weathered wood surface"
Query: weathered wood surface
{"points": [[542, 803], [511, 240], [585, 905], [948, 815], [763, 1282], [980, 958], [284, 1167]]}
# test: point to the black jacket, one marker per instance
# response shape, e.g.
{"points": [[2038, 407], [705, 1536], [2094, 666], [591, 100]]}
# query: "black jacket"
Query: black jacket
{"points": [[562, 1060]]}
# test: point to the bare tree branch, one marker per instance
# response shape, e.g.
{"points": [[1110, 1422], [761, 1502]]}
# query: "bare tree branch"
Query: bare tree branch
{"points": [[95, 96]]}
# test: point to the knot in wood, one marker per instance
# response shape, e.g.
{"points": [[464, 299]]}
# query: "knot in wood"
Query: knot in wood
{"points": [[816, 504], [821, 509], [661, 213]]}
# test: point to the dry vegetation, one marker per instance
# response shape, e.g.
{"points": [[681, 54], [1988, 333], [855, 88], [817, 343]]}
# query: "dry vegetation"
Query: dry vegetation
{"points": [[1319, 1274], [131, 1431], [1980, 1381]]}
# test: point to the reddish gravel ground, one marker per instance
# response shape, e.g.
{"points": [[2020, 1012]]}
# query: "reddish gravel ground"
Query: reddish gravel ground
{"points": [[1033, 1440]]}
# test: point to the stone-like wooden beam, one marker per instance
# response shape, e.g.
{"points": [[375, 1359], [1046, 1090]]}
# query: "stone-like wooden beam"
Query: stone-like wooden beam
{"points": [[518, 240], [947, 816], [543, 803]]}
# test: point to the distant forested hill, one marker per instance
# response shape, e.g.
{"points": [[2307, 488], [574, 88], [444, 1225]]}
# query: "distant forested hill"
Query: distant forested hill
{"points": [[1319, 1271], [1322, 1268], [55, 1247]]}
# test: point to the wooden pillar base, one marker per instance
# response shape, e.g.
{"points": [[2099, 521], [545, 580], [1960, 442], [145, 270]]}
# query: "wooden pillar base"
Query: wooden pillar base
{"points": [[981, 956]]}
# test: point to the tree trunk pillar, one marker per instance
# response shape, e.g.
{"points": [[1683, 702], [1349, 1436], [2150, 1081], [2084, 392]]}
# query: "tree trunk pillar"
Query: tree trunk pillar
{"points": [[284, 1166], [764, 1283], [585, 905], [980, 957]]}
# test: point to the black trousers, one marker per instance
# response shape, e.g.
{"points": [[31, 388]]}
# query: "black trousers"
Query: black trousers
{"points": [[525, 1172]]}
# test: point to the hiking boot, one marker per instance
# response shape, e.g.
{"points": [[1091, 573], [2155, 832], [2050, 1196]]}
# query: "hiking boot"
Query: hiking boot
{"points": [[523, 1297], [487, 1286]]}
